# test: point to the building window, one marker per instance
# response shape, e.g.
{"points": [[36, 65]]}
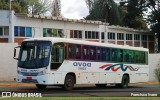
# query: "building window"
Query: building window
{"points": [[120, 36], [111, 35], [49, 32], [1, 31], [16, 31], [4, 31], [22, 31], [128, 36], [44, 32], [74, 51], [144, 37], [151, 37], [28, 32], [75, 34], [102, 35], [136, 37], [91, 35]]}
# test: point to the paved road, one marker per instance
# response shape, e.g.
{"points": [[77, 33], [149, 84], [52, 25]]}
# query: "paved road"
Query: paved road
{"points": [[86, 90]]}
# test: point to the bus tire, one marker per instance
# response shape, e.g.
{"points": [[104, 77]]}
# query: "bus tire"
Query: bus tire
{"points": [[68, 83], [41, 87], [124, 82], [101, 85]]}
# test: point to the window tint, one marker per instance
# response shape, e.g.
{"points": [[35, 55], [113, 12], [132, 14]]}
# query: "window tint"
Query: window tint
{"points": [[1, 31], [102, 35], [86, 53], [111, 35], [137, 57], [74, 51], [44, 32], [128, 36], [136, 37], [28, 32], [105, 52], [98, 53], [15, 31], [128, 56], [92, 53], [120, 36], [6, 31], [117, 55], [22, 31], [58, 53]]}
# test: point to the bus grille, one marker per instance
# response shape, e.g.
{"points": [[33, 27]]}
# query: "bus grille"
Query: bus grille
{"points": [[29, 81], [29, 74]]}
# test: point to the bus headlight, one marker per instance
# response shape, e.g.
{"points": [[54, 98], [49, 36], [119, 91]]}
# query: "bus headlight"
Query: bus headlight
{"points": [[42, 72], [19, 72]]}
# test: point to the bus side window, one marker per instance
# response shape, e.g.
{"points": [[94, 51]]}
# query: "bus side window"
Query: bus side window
{"points": [[58, 53], [121, 55], [107, 54], [103, 54], [117, 55], [93, 53], [137, 57], [72, 51], [86, 53], [98, 54], [78, 51], [146, 57], [114, 55]]}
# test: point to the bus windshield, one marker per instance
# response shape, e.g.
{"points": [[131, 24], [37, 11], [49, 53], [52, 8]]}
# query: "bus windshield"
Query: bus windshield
{"points": [[34, 54]]}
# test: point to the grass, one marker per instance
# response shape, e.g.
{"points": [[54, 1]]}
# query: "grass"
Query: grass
{"points": [[85, 98]]}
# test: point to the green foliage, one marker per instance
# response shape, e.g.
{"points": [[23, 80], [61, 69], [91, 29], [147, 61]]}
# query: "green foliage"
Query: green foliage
{"points": [[106, 11], [26, 6], [134, 13], [154, 17], [157, 73], [15, 6]]}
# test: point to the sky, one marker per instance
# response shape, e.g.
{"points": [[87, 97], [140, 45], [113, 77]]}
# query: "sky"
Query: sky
{"points": [[74, 9]]}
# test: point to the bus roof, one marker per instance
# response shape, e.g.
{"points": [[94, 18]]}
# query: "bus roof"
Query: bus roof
{"points": [[73, 41]]}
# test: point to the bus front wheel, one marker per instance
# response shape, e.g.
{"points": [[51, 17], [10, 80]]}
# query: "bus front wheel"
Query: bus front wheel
{"points": [[68, 83], [124, 82], [41, 87]]}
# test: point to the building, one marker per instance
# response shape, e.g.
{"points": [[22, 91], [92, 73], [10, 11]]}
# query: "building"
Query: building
{"points": [[17, 27]]}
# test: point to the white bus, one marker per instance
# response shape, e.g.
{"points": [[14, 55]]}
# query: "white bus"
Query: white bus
{"points": [[66, 62]]}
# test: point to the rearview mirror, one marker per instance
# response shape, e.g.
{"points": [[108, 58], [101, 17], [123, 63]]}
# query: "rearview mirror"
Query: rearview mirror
{"points": [[15, 56]]}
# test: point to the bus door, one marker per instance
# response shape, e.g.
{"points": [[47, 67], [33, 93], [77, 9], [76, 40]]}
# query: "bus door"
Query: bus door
{"points": [[57, 55]]}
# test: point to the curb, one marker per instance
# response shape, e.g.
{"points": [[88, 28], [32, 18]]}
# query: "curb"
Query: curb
{"points": [[28, 85]]}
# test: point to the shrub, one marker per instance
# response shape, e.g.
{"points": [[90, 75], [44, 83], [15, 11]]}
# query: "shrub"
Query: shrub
{"points": [[157, 73]]}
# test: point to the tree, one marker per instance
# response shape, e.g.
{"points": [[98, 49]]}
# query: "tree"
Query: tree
{"points": [[154, 17], [56, 8], [105, 10], [135, 12], [27, 6], [4, 4]]}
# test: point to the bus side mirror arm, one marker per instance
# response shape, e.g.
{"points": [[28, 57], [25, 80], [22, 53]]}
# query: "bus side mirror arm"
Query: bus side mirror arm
{"points": [[14, 57]]}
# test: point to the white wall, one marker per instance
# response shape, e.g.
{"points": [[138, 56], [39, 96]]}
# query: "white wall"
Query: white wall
{"points": [[8, 65], [154, 59], [4, 18]]}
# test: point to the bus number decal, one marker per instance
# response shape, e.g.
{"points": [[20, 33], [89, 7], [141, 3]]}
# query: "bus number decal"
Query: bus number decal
{"points": [[81, 66]]}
